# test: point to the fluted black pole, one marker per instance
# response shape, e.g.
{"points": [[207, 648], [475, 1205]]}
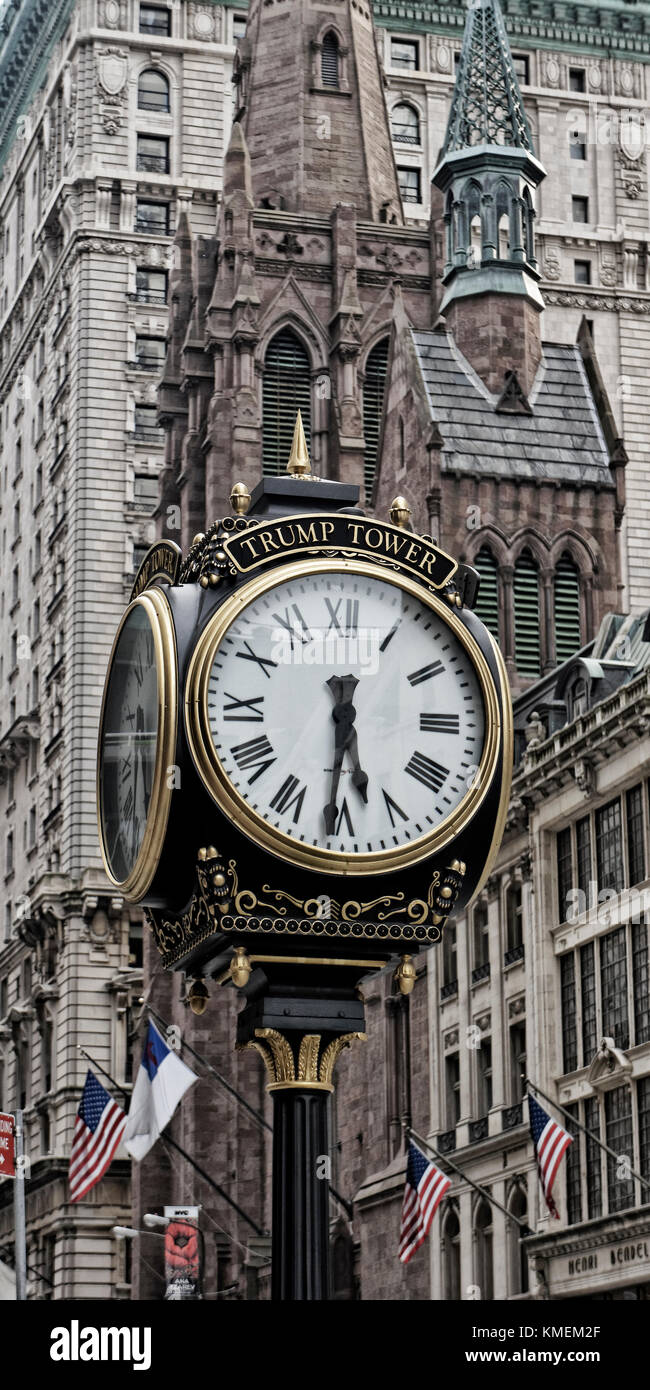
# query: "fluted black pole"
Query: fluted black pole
{"points": [[300, 1230]]}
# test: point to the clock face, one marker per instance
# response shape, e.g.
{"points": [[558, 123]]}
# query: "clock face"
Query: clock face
{"points": [[129, 742], [345, 713]]}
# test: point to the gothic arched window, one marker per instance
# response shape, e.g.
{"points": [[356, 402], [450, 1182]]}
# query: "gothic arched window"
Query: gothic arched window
{"points": [[286, 389], [484, 1250], [528, 657], [566, 608], [373, 403], [518, 1261], [153, 91], [451, 1254], [487, 603], [405, 124], [330, 61]]}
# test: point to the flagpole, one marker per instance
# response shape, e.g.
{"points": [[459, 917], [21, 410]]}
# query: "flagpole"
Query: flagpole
{"points": [[444, 1158], [567, 1113], [168, 1139]]}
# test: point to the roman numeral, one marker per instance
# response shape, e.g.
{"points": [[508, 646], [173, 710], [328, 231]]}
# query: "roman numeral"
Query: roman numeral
{"points": [[290, 794], [344, 813], [351, 616], [392, 806], [425, 770], [255, 717], [126, 768], [262, 661], [254, 753], [440, 723], [138, 670], [128, 804], [435, 668], [296, 626], [389, 635]]}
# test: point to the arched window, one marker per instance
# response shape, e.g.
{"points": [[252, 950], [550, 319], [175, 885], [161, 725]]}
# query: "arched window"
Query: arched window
{"points": [[528, 217], [503, 199], [487, 603], [405, 124], [330, 61], [484, 1251], [566, 608], [286, 389], [528, 656], [451, 1254], [373, 404], [514, 918], [153, 91], [518, 1259]]}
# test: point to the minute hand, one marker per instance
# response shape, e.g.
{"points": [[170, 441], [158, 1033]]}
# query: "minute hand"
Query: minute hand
{"points": [[344, 715]]}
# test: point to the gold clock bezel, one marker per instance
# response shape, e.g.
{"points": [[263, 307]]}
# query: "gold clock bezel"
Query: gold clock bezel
{"points": [[232, 803], [144, 869]]}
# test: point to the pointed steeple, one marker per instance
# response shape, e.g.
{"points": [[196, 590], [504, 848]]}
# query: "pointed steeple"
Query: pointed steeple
{"points": [[488, 173], [310, 99]]}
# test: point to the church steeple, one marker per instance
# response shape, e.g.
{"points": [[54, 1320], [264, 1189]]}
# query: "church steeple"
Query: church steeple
{"points": [[311, 103], [488, 174]]}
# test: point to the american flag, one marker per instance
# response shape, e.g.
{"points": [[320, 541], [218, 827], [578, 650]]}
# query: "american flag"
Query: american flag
{"points": [[425, 1186], [551, 1143], [98, 1129]]}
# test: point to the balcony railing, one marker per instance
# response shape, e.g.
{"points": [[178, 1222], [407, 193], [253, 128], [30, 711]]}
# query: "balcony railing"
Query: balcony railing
{"points": [[514, 954], [447, 991], [144, 296], [405, 134], [481, 972], [148, 434], [153, 103], [150, 361], [513, 1116], [153, 163], [410, 195], [147, 222]]}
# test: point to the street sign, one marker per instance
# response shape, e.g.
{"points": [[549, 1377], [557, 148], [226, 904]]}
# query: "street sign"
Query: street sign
{"points": [[7, 1146]]}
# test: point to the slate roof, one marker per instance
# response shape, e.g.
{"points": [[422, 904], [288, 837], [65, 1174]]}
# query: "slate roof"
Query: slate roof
{"points": [[562, 440]]}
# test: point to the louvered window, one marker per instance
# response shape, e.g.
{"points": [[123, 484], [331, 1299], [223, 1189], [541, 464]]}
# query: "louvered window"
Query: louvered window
{"points": [[330, 61], [286, 390], [373, 402], [566, 600], [487, 603], [527, 619]]}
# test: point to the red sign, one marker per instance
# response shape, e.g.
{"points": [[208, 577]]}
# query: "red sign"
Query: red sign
{"points": [[7, 1147]]}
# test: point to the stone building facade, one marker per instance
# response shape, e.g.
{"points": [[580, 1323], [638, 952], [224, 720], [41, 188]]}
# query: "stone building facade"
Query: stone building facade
{"points": [[103, 143]]}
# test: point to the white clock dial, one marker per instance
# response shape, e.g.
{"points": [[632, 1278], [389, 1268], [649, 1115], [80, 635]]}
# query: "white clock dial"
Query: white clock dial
{"points": [[346, 713], [129, 741]]}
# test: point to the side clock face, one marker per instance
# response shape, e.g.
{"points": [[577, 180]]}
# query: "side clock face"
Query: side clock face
{"points": [[136, 744], [344, 720]]}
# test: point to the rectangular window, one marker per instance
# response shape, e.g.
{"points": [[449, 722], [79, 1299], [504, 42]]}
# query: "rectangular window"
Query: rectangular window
{"points": [[150, 285], [576, 79], [409, 185], [569, 1019], [582, 272], [580, 209], [643, 1101], [146, 490], [594, 1168], [635, 836], [452, 1080], [588, 993], [521, 66], [618, 1129], [9, 853], [146, 423], [564, 872], [640, 982], [155, 20], [583, 854], [139, 552], [152, 217], [577, 146], [484, 1063], [404, 54], [153, 154], [238, 27], [609, 847], [481, 936], [449, 954], [613, 987], [517, 1062], [150, 352], [573, 1185], [3, 996]]}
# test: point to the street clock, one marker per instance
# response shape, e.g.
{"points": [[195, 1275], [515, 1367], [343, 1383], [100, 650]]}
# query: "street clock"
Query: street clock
{"points": [[306, 737]]}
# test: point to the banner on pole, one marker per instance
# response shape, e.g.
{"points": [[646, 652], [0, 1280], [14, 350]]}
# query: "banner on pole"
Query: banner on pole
{"points": [[7, 1146], [182, 1253]]}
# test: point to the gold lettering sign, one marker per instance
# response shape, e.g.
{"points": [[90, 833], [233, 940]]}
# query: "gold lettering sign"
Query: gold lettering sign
{"points": [[161, 563], [334, 534]]}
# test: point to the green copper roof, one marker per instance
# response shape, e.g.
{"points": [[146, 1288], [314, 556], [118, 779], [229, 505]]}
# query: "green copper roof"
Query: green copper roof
{"points": [[486, 108]]}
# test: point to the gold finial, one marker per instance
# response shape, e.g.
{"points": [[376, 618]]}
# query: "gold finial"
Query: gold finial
{"points": [[400, 512], [240, 499], [405, 975], [299, 465], [240, 967], [198, 996]]}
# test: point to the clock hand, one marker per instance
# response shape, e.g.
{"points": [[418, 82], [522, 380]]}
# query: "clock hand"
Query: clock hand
{"points": [[344, 715]]}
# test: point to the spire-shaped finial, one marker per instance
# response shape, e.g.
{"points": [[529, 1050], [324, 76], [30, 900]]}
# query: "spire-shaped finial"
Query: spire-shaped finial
{"points": [[487, 108], [299, 465]]}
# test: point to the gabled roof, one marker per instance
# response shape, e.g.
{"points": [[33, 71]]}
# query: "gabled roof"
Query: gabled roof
{"points": [[561, 440], [487, 108]]}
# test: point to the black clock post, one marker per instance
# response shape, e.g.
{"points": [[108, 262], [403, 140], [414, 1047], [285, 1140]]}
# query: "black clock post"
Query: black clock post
{"points": [[292, 875]]}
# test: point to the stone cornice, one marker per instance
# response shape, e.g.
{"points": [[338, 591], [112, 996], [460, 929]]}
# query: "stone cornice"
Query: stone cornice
{"points": [[608, 28], [590, 1234], [24, 57]]}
